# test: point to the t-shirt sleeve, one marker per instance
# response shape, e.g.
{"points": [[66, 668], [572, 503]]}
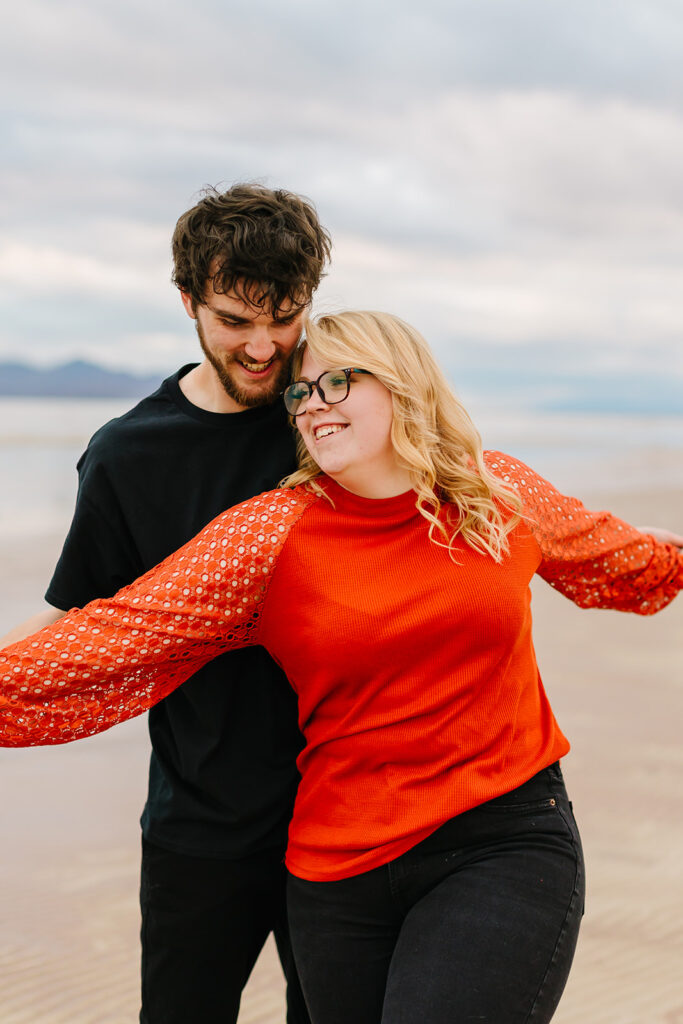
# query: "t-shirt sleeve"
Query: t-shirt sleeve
{"points": [[593, 558], [99, 555], [115, 658]]}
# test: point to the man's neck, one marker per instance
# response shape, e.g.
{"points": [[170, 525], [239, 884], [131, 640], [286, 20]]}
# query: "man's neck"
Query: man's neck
{"points": [[202, 387]]}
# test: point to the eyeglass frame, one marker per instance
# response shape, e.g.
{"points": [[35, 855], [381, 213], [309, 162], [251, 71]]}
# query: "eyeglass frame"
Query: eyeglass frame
{"points": [[315, 385]]}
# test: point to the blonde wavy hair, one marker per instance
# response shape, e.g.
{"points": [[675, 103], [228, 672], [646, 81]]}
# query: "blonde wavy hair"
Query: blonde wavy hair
{"points": [[432, 434]]}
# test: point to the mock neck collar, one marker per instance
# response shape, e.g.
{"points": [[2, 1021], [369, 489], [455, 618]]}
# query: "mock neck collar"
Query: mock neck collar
{"points": [[347, 500]]}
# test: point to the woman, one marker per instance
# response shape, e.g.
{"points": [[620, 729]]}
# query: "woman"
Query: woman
{"points": [[436, 869]]}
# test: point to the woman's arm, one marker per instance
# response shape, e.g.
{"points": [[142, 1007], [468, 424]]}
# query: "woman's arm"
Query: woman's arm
{"points": [[663, 536], [32, 625], [115, 658], [593, 558]]}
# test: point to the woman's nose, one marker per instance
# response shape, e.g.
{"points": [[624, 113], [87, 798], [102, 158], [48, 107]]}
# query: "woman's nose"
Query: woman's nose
{"points": [[316, 401]]}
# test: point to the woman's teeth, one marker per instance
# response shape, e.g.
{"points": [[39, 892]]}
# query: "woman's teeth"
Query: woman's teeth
{"points": [[328, 429]]}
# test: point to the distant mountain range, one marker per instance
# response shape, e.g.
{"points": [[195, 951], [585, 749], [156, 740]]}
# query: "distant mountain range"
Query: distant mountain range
{"points": [[77, 379], [504, 378]]}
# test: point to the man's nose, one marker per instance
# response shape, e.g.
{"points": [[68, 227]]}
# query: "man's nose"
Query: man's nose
{"points": [[260, 346]]}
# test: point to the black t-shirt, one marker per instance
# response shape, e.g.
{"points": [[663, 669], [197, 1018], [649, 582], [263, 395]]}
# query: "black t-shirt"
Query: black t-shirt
{"points": [[222, 773]]}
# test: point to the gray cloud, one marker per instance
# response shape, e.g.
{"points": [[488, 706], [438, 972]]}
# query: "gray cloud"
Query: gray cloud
{"points": [[499, 172], [376, 50]]}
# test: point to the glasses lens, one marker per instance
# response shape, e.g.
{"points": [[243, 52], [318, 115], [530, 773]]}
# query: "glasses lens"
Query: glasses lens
{"points": [[335, 386], [295, 397]]}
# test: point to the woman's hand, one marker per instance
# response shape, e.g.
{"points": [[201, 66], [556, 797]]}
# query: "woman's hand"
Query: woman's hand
{"points": [[664, 536], [32, 625]]}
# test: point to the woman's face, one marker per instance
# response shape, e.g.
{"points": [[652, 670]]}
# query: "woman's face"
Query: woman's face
{"points": [[351, 440]]}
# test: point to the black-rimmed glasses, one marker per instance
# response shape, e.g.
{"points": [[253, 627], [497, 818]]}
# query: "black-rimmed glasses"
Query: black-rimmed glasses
{"points": [[332, 386]]}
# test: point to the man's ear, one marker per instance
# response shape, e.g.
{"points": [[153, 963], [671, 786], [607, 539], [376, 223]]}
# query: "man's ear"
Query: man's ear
{"points": [[188, 303]]}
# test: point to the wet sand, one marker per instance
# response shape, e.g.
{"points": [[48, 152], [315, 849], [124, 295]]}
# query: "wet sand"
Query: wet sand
{"points": [[70, 839]]}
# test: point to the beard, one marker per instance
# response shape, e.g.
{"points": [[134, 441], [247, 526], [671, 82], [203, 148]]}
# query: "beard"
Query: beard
{"points": [[251, 395]]}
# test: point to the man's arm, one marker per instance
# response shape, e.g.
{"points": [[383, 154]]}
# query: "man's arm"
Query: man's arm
{"points": [[32, 625]]}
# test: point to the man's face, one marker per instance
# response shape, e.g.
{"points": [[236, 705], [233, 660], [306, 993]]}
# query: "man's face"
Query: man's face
{"points": [[248, 347]]}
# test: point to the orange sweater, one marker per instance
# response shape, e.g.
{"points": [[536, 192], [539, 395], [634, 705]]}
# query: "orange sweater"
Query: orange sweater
{"points": [[419, 694]]}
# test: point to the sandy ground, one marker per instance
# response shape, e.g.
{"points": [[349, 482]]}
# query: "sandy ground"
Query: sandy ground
{"points": [[68, 885]]}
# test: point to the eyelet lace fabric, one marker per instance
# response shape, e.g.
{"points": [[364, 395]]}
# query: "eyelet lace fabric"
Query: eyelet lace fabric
{"points": [[593, 558], [114, 659]]}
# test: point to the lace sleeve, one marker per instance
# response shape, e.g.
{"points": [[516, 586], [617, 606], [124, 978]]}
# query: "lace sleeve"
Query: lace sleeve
{"points": [[115, 658], [593, 558]]}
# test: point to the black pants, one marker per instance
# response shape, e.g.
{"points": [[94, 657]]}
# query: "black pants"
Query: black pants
{"points": [[204, 923], [477, 923]]}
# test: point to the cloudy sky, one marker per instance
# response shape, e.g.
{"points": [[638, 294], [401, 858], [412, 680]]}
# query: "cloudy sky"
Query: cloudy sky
{"points": [[505, 174]]}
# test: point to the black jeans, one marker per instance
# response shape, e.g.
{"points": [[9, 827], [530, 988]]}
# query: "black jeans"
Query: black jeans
{"points": [[204, 923], [477, 923]]}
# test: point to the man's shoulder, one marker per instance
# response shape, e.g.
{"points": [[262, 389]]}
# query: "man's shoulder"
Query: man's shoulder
{"points": [[113, 438]]}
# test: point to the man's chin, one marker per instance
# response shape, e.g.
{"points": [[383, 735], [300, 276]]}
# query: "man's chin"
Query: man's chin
{"points": [[254, 396], [253, 393]]}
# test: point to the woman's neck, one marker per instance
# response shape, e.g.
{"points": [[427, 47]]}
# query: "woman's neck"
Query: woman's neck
{"points": [[379, 485]]}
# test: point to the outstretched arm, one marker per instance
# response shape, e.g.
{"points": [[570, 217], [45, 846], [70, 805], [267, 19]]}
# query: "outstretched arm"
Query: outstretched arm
{"points": [[593, 558], [663, 536], [115, 658], [32, 625]]}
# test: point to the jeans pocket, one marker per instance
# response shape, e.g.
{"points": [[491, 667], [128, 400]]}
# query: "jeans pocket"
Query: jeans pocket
{"points": [[539, 793], [507, 804]]}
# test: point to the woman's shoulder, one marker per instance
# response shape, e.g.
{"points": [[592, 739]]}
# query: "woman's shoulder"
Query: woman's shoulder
{"points": [[514, 473], [500, 463], [279, 509]]}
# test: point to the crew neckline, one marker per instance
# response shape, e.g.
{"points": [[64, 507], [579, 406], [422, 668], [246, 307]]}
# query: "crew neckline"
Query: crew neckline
{"points": [[217, 419], [346, 499]]}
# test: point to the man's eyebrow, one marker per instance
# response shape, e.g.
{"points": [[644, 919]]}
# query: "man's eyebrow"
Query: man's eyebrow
{"points": [[224, 314], [292, 314]]}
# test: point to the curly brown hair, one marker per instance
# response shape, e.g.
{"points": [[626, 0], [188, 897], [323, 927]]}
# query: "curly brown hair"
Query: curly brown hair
{"points": [[267, 247]]}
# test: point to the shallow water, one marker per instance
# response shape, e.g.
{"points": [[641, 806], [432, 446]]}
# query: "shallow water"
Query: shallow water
{"points": [[41, 440]]}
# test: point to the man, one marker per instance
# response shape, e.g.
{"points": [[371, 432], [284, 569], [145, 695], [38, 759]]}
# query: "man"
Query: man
{"points": [[222, 773]]}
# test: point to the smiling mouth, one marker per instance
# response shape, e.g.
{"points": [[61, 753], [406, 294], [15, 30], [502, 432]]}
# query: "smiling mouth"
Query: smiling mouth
{"points": [[328, 428], [257, 368]]}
